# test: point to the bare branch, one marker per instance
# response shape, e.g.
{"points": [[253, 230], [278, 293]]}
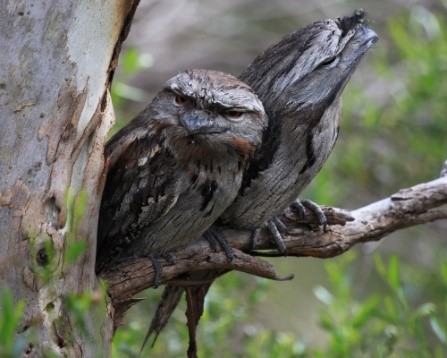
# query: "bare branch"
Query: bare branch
{"points": [[419, 204]]}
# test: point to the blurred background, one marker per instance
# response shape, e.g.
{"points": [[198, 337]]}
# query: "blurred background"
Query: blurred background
{"points": [[381, 299]]}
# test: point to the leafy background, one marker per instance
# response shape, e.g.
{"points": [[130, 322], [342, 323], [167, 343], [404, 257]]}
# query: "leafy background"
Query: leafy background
{"points": [[381, 299]]}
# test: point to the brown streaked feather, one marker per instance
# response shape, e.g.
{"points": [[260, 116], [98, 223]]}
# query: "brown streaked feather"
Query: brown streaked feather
{"points": [[174, 168]]}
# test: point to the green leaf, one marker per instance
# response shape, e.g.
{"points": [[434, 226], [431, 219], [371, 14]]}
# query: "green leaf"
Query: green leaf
{"points": [[366, 312], [427, 309], [438, 330], [11, 313], [393, 273], [132, 61], [380, 266], [129, 92]]}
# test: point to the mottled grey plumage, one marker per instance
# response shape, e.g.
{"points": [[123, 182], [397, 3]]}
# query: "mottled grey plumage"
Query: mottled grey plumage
{"points": [[177, 165], [299, 80]]}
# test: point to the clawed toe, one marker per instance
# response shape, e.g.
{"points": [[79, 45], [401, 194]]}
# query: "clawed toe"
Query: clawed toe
{"points": [[158, 269], [168, 257], [213, 237], [254, 238], [274, 225], [302, 205]]}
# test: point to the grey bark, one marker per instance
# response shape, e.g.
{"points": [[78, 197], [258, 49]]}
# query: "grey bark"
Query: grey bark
{"points": [[56, 64]]}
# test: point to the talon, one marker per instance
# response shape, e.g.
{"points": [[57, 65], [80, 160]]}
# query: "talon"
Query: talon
{"points": [[254, 238], [316, 209], [168, 257], [301, 207], [211, 240], [213, 237], [278, 238], [158, 270], [279, 224]]}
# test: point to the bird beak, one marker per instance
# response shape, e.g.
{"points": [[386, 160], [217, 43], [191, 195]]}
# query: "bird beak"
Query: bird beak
{"points": [[370, 36], [197, 122], [359, 22]]}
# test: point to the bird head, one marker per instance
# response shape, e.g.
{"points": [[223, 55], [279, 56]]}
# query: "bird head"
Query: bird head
{"points": [[212, 108], [312, 65]]}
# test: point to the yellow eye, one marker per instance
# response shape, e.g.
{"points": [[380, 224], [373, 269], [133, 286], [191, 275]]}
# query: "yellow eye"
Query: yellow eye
{"points": [[180, 100], [234, 114]]}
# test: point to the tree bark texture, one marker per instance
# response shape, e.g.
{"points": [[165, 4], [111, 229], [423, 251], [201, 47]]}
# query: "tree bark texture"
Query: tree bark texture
{"points": [[57, 60]]}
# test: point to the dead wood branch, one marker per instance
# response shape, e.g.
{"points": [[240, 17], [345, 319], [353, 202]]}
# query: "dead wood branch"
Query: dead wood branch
{"points": [[419, 204]]}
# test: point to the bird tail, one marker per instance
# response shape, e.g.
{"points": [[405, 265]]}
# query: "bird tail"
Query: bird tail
{"points": [[169, 300]]}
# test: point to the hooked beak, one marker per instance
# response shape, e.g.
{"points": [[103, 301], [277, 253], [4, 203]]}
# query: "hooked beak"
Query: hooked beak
{"points": [[370, 36], [198, 122], [358, 20]]}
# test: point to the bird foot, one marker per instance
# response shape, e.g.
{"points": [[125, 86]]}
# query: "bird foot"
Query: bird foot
{"points": [[275, 226], [158, 269], [302, 205], [215, 238]]}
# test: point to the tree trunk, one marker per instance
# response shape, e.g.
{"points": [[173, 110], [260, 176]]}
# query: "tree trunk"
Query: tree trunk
{"points": [[56, 64]]}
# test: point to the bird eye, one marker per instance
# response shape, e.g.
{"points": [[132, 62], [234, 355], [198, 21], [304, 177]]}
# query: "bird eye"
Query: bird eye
{"points": [[180, 100], [234, 114], [329, 61]]}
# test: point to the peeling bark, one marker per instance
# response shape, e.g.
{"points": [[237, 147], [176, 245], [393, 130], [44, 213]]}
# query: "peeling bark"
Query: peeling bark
{"points": [[56, 66]]}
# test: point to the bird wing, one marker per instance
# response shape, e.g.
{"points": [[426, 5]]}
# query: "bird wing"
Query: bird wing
{"points": [[143, 184]]}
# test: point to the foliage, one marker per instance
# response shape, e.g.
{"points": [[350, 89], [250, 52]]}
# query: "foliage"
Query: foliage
{"points": [[401, 320], [86, 308], [10, 315], [83, 308], [132, 62], [406, 317]]}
